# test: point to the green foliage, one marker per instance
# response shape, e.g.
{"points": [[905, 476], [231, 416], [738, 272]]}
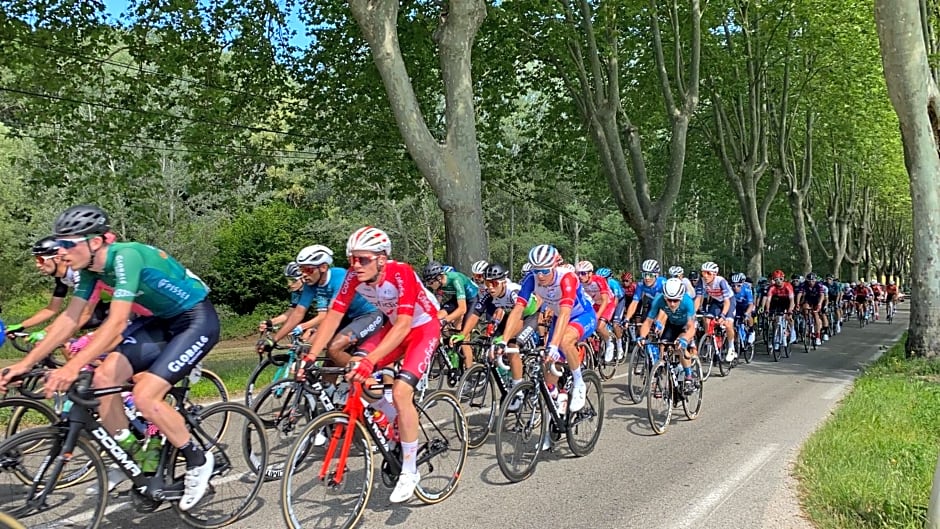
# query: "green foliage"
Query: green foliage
{"points": [[872, 463], [251, 254]]}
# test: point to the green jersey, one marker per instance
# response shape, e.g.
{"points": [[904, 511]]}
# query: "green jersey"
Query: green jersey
{"points": [[147, 276], [459, 286]]}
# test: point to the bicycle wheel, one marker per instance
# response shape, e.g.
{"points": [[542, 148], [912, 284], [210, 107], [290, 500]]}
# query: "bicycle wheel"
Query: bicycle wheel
{"points": [[588, 355], [263, 374], [442, 446], [20, 413], [9, 522], [284, 408], [306, 498], [747, 349], [706, 351], [583, 427], [637, 374], [659, 397], [478, 400], [692, 403], [724, 367], [606, 369], [24, 456], [519, 433], [235, 436], [439, 369], [208, 389]]}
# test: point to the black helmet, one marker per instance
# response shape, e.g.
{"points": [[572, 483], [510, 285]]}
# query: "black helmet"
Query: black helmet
{"points": [[432, 271], [811, 277], [693, 276], [46, 247], [85, 219], [495, 272]]}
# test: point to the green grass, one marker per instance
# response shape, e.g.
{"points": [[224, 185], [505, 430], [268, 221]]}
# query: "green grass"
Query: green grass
{"points": [[872, 463]]}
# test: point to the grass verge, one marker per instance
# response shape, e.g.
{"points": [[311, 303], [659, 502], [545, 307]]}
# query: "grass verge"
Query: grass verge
{"points": [[871, 465]]}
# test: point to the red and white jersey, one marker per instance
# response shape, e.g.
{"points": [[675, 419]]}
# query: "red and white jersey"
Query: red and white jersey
{"points": [[595, 287], [399, 293], [784, 290]]}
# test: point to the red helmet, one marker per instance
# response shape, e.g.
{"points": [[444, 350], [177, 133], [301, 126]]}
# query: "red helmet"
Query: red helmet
{"points": [[626, 276], [778, 274]]}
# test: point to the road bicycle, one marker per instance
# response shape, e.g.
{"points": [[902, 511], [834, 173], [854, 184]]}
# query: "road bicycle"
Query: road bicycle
{"points": [[668, 386]]}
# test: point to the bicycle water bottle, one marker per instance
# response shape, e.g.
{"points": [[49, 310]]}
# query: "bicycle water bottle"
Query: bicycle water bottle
{"points": [[562, 402], [126, 440], [138, 425], [653, 352], [148, 457], [452, 357]]}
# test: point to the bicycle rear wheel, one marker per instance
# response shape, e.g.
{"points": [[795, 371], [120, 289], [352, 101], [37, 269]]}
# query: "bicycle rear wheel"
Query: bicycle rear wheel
{"points": [[659, 397], [25, 455], [583, 427], [235, 436], [21, 413], [442, 446], [692, 403], [284, 408], [519, 433], [263, 374], [477, 395], [306, 499], [638, 374], [706, 351]]}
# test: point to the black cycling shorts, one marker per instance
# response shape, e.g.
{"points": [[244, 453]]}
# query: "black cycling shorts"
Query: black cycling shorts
{"points": [[171, 347], [360, 328]]}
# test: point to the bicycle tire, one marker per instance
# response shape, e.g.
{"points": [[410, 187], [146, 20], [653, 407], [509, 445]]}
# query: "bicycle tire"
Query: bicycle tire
{"points": [[605, 369], [22, 411], [519, 428], [475, 387], [9, 522], [583, 427], [284, 408], [692, 403], [706, 351], [636, 382], [724, 367], [21, 344], [659, 397], [442, 446], [304, 464], [256, 380], [216, 390], [588, 355], [88, 509], [252, 447]]}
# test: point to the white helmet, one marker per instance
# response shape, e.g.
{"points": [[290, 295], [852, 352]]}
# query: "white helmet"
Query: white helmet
{"points": [[315, 255], [584, 266], [650, 266], [479, 267], [675, 271], [369, 239], [526, 267], [709, 266], [673, 289], [738, 277], [543, 256]]}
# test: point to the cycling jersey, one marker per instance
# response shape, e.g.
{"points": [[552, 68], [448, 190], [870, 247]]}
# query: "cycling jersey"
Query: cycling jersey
{"points": [[681, 316], [459, 286], [629, 290], [813, 294], [399, 293], [325, 293], [743, 298], [783, 291], [564, 291], [649, 293], [139, 272], [715, 292], [595, 288], [615, 288], [489, 305]]}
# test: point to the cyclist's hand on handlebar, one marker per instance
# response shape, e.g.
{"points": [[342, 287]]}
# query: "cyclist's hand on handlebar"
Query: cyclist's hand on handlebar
{"points": [[552, 354], [297, 331], [266, 325], [12, 329], [360, 370], [60, 379], [456, 338], [9, 373], [265, 346]]}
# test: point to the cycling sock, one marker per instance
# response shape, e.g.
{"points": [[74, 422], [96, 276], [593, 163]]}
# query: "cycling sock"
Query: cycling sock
{"points": [[194, 455], [576, 376], [516, 382], [409, 457]]}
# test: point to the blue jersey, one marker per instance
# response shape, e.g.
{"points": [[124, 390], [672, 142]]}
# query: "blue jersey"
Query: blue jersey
{"points": [[643, 291], [325, 294], [616, 288], [680, 316], [744, 297]]}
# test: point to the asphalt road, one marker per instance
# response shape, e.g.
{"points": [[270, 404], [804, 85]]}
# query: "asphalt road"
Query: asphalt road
{"points": [[728, 469]]}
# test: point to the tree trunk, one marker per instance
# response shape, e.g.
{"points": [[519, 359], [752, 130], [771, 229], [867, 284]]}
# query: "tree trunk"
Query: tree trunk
{"points": [[914, 95], [452, 166], [799, 231]]}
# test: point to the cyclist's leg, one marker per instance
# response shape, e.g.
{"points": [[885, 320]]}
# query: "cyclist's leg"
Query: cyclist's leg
{"points": [[353, 333], [134, 352]]}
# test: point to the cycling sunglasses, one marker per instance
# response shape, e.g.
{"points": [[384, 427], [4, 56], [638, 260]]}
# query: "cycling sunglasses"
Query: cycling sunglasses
{"points": [[362, 260], [68, 244], [542, 271]]}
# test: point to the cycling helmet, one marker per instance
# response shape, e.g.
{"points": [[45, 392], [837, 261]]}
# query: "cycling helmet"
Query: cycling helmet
{"points": [[315, 255], [650, 266], [526, 268], [778, 274], [292, 270], [604, 272], [676, 271], [85, 219], [674, 288], [495, 272], [626, 276], [46, 247], [543, 256], [445, 268], [738, 277], [709, 266], [811, 277], [369, 239], [432, 271], [479, 268], [890, 282], [693, 276], [584, 266], [830, 277]]}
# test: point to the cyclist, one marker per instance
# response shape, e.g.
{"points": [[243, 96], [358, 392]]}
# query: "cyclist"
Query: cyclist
{"points": [[877, 297], [835, 295], [780, 300], [598, 290], [891, 296], [679, 272], [744, 304], [574, 318], [862, 295], [295, 286], [183, 317], [713, 295], [412, 332], [629, 287], [619, 309], [476, 270], [673, 312], [646, 291], [458, 290]]}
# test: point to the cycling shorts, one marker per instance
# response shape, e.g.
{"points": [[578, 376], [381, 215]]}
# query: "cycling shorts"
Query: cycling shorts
{"points": [[620, 309], [585, 323], [672, 332], [812, 301], [451, 306], [861, 299], [608, 311], [360, 329], [715, 307], [171, 347], [415, 351], [779, 304]]}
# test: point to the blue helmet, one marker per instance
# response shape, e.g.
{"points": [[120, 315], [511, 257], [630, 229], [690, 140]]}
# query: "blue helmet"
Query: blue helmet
{"points": [[603, 272]]}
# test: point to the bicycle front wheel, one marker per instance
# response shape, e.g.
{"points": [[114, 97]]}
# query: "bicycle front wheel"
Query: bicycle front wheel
{"points": [[477, 395], [659, 397], [692, 403], [519, 432], [583, 427], [706, 351], [35, 455], [284, 408], [311, 494], [21, 413], [442, 446], [638, 374]]}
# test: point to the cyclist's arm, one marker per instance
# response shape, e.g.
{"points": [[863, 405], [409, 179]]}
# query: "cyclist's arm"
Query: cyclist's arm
{"points": [[296, 316], [514, 321], [605, 300], [106, 337], [46, 313], [63, 328], [472, 321], [458, 313], [630, 310]]}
